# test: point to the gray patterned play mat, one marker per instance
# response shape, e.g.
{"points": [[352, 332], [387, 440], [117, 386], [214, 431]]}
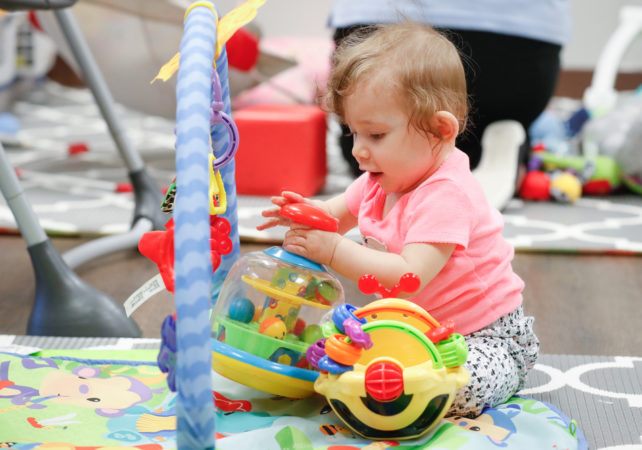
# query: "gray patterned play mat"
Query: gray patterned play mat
{"points": [[86, 193]]}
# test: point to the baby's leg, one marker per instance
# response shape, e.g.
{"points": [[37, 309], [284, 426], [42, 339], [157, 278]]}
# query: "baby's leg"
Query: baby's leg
{"points": [[499, 357]]}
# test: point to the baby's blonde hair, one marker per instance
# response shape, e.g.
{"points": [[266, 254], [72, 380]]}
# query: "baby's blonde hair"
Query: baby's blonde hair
{"points": [[422, 65]]}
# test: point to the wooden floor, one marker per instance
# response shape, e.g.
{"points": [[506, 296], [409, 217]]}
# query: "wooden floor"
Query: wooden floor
{"points": [[582, 304]]}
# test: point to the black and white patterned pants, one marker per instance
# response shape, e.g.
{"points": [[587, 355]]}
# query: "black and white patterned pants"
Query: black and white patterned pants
{"points": [[499, 358]]}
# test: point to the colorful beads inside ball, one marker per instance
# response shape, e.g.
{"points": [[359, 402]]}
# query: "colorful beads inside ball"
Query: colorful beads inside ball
{"points": [[242, 310], [326, 292], [311, 334], [273, 327], [299, 326]]}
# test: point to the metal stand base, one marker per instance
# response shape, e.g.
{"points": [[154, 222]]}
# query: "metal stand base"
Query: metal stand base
{"points": [[66, 306]]}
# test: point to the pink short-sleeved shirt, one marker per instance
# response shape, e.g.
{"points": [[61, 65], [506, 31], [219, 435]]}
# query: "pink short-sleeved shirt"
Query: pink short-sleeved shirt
{"points": [[477, 285]]}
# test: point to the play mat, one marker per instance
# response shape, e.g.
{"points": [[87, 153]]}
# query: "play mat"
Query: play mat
{"points": [[86, 193], [601, 393], [82, 400]]}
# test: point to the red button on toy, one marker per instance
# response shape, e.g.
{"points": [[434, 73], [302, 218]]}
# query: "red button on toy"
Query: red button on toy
{"points": [[384, 381]]}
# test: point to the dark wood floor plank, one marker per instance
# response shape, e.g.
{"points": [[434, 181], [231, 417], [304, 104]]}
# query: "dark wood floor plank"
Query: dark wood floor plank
{"points": [[582, 304]]}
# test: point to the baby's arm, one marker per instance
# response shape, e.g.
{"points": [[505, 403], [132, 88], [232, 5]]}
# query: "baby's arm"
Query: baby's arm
{"points": [[353, 260], [338, 207]]}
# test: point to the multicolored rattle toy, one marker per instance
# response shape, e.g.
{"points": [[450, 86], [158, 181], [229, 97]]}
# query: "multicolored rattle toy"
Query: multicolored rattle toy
{"points": [[389, 370]]}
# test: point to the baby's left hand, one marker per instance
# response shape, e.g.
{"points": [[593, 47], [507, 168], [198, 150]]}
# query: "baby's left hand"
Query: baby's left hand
{"points": [[317, 245]]}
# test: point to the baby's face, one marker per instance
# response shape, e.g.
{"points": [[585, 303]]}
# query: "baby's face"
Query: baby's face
{"points": [[395, 154]]}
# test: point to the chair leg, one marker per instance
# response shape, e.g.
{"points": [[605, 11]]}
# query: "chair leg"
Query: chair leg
{"points": [[65, 305], [147, 214]]}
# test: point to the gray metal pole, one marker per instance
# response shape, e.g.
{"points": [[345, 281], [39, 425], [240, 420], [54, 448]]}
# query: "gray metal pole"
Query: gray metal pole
{"points": [[27, 221], [94, 79]]}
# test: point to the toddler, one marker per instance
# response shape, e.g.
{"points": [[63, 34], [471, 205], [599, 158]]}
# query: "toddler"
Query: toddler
{"points": [[401, 91]]}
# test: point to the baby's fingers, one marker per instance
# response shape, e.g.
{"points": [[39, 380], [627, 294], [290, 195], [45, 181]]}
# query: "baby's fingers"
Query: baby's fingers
{"points": [[274, 212], [293, 197], [270, 224], [279, 200]]}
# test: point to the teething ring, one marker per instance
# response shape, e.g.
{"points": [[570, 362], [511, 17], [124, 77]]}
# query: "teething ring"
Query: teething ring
{"points": [[310, 215], [360, 338], [342, 313], [315, 352], [327, 364], [341, 351]]}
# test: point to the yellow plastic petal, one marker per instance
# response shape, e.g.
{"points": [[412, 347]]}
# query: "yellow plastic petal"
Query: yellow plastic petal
{"points": [[169, 68]]}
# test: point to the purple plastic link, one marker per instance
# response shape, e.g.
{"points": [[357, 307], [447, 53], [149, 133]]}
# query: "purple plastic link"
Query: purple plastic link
{"points": [[167, 354], [356, 334], [315, 352], [218, 116], [217, 93], [328, 364]]}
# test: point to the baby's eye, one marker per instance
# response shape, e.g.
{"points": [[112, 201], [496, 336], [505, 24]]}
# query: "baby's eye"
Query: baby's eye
{"points": [[377, 136]]}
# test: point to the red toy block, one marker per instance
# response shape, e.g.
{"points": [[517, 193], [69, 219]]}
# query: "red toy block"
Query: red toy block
{"points": [[281, 147]]}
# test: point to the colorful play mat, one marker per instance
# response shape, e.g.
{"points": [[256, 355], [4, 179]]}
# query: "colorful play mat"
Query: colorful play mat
{"points": [[102, 393], [77, 184]]}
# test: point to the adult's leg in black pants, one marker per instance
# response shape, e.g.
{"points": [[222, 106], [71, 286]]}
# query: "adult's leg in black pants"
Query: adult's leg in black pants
{"points": [[508, 77]]}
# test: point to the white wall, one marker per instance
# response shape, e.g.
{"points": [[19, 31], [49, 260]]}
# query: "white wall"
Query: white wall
{"points": [[593, 22]]}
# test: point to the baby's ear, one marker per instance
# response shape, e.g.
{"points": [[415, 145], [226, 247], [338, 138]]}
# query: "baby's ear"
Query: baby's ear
{"points": [[445, 125]]}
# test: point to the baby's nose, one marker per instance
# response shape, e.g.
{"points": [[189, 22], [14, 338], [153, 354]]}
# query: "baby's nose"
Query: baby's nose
{"points": [[359, 152]]}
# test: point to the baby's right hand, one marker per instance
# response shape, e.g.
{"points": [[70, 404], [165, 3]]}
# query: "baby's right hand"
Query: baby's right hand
{"points": [[274, 218]]}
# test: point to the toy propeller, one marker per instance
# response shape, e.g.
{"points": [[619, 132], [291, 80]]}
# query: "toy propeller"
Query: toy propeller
{"points": [[408, 282]]}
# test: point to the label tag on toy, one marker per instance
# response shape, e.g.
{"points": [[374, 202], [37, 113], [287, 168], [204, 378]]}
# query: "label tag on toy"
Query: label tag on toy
{"points": [[152, 287]]}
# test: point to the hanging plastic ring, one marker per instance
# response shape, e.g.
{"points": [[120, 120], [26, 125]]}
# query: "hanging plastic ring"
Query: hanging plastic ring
{"points": [[219, 117]]}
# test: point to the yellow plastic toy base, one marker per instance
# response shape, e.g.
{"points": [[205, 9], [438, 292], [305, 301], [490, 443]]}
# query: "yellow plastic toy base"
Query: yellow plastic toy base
{"points": [[269, 290], [397, 329], [261, 379], [422, 384]]}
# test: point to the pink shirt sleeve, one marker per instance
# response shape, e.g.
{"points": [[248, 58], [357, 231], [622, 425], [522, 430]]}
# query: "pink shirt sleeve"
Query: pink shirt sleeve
{"points": [[440, 212], [355, 192]]}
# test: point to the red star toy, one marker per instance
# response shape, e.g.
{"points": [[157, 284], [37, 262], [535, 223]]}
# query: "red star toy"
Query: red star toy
{"points": [[158, 246]]}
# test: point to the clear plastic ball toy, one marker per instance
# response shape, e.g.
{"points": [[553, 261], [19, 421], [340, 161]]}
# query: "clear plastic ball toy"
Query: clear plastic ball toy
{"points": [[267, 315]]}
